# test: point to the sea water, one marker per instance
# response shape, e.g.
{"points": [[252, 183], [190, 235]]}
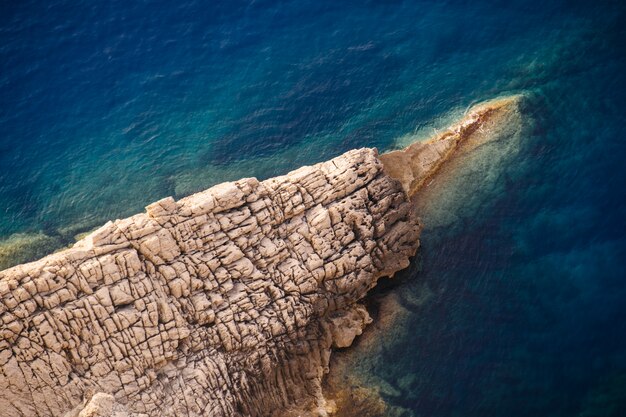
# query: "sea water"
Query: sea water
{"points": [[108, 106]]}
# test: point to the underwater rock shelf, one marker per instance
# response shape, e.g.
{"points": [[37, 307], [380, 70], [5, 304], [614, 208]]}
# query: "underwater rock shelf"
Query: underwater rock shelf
{"points": [[227, 302]]}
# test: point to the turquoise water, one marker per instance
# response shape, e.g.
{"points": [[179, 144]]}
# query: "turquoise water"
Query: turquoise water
{"points": [[108, 106]]}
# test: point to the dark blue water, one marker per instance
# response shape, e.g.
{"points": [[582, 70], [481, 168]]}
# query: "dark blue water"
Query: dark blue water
{"points": [[106, 107]]}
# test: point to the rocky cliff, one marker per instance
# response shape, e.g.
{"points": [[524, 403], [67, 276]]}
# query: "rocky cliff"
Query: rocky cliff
{"points": [[227, 302]]}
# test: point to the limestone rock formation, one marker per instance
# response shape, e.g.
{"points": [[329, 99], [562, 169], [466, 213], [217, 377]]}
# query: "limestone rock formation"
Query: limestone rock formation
{"points": [[224, 303]]}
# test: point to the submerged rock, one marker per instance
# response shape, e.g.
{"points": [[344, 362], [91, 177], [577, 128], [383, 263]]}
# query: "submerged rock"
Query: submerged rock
{"points": [[227, 302], [21, 247]]}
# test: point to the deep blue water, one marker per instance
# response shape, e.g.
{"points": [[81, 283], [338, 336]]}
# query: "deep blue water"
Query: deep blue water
{"points": [[108, 106]]}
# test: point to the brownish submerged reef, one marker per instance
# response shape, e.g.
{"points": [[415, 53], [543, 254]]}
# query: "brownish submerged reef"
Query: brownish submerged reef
{"points": [[228, 302]]}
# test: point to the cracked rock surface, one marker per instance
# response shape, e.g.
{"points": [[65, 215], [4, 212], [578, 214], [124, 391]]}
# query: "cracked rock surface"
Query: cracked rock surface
{"points": [[227, 302]]}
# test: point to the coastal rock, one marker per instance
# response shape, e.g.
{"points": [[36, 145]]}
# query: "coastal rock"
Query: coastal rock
{"points": [[224, 303]]}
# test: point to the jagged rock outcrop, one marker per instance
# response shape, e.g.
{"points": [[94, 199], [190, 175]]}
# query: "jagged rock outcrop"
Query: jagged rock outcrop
{"points": [[224, 303]]}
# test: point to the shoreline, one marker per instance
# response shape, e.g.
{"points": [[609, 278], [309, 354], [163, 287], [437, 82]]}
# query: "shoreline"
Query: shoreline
{"points": [[344, 224]]}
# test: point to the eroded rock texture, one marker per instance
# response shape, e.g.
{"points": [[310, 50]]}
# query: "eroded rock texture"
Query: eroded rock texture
{"points": [[224, 303]]}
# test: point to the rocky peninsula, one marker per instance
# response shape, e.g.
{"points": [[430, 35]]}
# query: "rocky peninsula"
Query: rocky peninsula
{"points": [[224, 303]]}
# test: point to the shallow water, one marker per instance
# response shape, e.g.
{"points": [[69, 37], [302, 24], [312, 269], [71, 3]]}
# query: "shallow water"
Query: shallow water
{"points": [[106, 108]]}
